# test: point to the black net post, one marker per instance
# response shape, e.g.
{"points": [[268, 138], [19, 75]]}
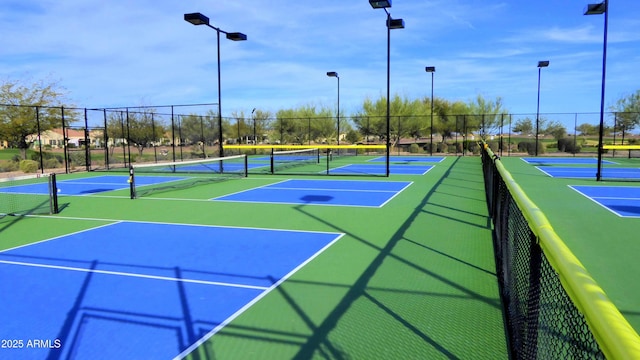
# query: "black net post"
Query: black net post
{"points": [[132, 183], [53, 193]]}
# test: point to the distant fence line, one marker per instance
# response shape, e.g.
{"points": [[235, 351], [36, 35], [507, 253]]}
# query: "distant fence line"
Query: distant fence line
{"points": [[116, 136]]}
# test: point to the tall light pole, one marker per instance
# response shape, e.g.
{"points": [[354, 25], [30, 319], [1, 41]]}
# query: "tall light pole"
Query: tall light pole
{"points": [[255, 136], [199, 19], [335, 75], [391, 24], [541, 64], [431, 69], [598, 9]]}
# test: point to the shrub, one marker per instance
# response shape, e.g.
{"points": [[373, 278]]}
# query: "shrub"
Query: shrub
{"points": [[28, 166], [473, 147], [414, 148], [567, 145], [430, 147], [530, 147], [9, 166], [51, 163]]}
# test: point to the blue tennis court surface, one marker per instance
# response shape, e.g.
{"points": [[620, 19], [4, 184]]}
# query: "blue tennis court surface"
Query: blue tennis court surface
{"points": [[90, 185], [322, 192], [141, 290], [409, 159], [590, 172], [565, 160], [621, 200]]}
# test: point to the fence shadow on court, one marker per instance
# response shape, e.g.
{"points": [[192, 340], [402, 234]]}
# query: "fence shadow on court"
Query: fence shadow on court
{"points": [[374, 291]]}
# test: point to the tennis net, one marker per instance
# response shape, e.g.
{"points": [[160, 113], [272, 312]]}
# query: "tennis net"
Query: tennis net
{"points": [[314, 159], [553, 307], [145, 179], [29, 194], [291, 158]]}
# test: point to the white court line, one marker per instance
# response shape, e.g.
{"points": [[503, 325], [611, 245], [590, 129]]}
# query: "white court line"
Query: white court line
{"points": [[215, 330], [154, 277], [111, 222], [170, 223], [598, 202]]}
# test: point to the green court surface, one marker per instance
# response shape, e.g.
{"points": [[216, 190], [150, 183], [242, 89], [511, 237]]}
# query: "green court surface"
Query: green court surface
{"points": [[606, 244], [413, 279]]}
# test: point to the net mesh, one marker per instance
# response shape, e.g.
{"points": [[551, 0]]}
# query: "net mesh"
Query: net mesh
{"points": [[290, 158], [146, 179], [30, 194], [542, 320], [314, 159]]}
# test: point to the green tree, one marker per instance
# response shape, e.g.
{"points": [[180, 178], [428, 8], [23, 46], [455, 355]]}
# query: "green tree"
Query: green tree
{"points": [[353, 136], [406, 118], [524, 126], [143, 130], [488, 114], [627, 113], [31, 107], [198, 129], [262, 124], [139, 128], [555, 129], [446, 117], [241, 127], [587, 129], [370, 121]]}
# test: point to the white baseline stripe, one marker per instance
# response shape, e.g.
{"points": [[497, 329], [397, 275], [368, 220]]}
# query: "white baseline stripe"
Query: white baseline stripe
{"points": [[133, 275]]}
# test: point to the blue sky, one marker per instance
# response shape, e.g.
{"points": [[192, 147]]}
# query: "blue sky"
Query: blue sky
{"points": [[127, 53]]}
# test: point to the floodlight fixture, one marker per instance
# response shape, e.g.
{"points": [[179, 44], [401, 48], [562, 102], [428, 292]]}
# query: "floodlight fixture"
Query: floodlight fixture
{"points": [[196, 19], [332, 74], [236, 36], [200, 19], [376, 4], [542, 64], [596, 9], [395, 23], [430, 69]]}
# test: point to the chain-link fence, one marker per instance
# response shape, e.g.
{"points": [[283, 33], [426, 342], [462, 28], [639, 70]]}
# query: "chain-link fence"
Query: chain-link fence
{"points": [[72, 139], [80, 139], [546, 316]]}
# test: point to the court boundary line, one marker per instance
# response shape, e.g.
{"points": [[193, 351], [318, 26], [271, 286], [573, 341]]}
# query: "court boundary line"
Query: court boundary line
{"points": [[597, 203], [299, 204], [593, 199], [315, 204], [129, 274], [248, 305], [591, 158], [612, 173], [111, 222], [380, 166], [171, 223], [405, 156], [338, 190]]}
